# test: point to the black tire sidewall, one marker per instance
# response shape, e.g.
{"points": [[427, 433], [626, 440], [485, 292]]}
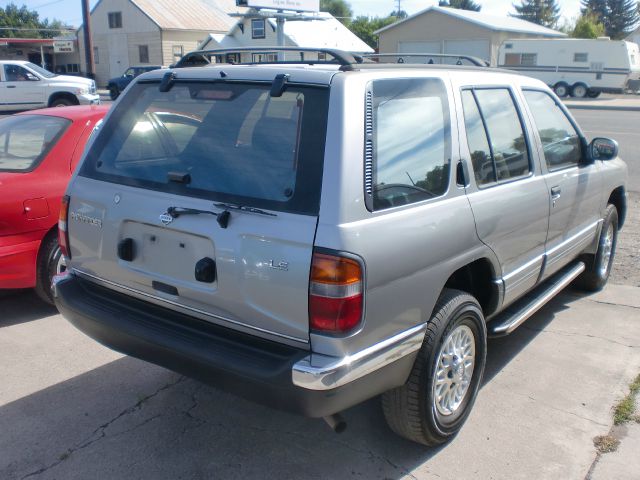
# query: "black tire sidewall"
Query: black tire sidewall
{"points": [[467, 313], [610, 218], [46, 267]]}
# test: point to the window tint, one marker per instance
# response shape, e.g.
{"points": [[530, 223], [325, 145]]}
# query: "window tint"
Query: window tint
{"points": [[560, 140], [237, 143], [15, 73], [26, 139], [506, 137], [409, 149], [477, 141]]}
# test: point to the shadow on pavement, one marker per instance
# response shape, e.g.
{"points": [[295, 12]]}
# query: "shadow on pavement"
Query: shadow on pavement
{"points": [[22, 306], [135, 420]]}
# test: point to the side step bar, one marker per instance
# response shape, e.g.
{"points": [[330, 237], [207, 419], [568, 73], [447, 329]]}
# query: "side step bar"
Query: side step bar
{"points": [[507, 321]]}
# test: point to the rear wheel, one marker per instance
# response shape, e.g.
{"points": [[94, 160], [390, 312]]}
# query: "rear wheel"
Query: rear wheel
{"points": [[593, 93], [598, 269], [579, 90], [114, 92], [50, 263], [437, 398], [561, 89]]}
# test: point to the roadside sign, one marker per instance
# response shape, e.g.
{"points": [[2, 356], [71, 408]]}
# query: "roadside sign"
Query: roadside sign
{"points": [[295, 5], [63, 46]]}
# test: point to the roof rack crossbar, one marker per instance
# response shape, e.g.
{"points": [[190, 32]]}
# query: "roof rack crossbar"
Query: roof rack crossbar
{"points": [[342, 58], [478, 62]]}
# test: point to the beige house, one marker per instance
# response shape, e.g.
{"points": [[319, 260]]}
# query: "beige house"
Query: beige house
{"points": [[455, 31], [151, 32]]}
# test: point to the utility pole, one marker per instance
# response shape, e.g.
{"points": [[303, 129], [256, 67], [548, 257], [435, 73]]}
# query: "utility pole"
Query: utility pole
{"points": [[88, 44], [398, 7]]}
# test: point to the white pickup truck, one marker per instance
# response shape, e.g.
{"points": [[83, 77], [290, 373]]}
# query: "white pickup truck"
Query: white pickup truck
{"points": [[24, 85]]}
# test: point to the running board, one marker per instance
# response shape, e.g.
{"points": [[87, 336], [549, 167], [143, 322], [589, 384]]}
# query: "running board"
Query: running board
{"points": [[515, 315]]}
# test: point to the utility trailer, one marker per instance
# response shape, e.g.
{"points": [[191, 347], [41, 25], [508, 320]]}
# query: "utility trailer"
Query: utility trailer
{"points": [[573, 66]]}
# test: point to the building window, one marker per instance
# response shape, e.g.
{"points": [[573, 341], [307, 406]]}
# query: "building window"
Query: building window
{"points": [[264, 57], [115, 19], [178, 52], [96, 55], [143, 51], [580, 57], [73, 68], [257, 28], [522, 59]]}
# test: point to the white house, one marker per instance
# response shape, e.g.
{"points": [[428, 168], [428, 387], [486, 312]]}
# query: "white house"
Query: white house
{"points": [[323, 32]]}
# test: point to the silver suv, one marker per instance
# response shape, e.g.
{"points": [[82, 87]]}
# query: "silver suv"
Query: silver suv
{"points": [[312, 235]]}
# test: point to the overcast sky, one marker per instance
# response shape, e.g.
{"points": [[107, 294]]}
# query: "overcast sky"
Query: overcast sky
{"points": [[70, 10]]}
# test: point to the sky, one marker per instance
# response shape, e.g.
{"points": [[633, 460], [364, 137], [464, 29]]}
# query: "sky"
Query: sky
{"points": [[70, 11]]}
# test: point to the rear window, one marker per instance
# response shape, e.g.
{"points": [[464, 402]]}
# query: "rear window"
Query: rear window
{"points": [[26, 139], [232, 141]]}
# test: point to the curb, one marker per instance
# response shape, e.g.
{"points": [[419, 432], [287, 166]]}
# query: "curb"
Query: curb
{"points": [[620, 108]]}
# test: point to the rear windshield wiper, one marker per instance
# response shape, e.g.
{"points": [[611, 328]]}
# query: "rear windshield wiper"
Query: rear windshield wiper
{"points": [[243, 208], [221, 217]]}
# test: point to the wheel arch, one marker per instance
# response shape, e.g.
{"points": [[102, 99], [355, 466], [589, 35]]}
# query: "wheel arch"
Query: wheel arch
{"points": [[479, 279], [618, 199], [66, 95]]}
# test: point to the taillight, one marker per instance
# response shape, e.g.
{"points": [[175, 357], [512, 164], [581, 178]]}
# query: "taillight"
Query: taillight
{"points": [[63, 232], [335, 293]]}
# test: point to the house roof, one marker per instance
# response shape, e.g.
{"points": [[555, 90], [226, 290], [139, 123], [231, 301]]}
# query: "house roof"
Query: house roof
{"points": [[326, 32], [187, 14], [491, 22]]}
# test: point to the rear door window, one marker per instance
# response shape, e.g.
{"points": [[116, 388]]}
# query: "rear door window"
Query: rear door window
{"points": [[26, 139], [560, 141], [495, 110], [408, 146], [232, 142]]}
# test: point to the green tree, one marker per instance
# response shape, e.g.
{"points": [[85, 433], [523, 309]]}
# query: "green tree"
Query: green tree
{"points": [[618, 16], [400, 14], [364, 27], [461, 4], [588, 26], [338, 8], [27, 23], [542, 12]]}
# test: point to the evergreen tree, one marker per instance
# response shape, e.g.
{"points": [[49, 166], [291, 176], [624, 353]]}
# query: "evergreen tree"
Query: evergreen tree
{"points": [[461, 4], [623, 16], [542, 12], [588, 26]]}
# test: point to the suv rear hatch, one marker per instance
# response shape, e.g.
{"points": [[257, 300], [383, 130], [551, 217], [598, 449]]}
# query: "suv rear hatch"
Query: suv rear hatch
{"points": [[204, 198]]}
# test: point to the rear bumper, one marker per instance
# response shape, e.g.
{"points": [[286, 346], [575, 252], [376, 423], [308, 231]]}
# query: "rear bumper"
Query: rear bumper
{"points": [[266, 372], [18, 264]]}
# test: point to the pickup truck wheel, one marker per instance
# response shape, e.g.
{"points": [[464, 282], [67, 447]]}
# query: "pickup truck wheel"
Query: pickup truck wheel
{"points": [[114, 92], [62, 102], [598, 269], [431, 407], [50, 262]]}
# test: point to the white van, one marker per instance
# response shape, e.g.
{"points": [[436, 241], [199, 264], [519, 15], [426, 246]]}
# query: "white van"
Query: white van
{"points": [[573, 66], [25, 85]]}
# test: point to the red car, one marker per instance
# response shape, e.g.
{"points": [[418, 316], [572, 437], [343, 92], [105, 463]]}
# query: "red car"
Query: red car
{"points": [[38, 152]]}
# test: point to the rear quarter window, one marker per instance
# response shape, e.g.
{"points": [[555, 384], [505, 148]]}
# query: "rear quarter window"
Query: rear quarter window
{"points": [[25, 140], [408, 141]]}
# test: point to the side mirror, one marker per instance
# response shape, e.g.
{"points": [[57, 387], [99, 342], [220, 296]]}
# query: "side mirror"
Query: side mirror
{"points": [[603, 149]]}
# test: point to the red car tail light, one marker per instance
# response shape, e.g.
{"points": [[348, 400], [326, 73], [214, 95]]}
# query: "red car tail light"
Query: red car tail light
{"points": [[335, 293], [63, 232]]}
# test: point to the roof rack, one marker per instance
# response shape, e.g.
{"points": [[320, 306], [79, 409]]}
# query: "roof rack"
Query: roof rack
{"points": [[223, 55], [478, 62], [346, 60]]}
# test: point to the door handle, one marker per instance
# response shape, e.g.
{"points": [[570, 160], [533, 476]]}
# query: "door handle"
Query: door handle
{"points": [[555, 192], [11, 86]]}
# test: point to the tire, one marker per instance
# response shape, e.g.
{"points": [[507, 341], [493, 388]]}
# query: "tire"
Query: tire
{"points": [[593, 93], [114, 92], [62, 102], [579, 90], [49, 263], [413, 410], [561, 89], [598, 269]]}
